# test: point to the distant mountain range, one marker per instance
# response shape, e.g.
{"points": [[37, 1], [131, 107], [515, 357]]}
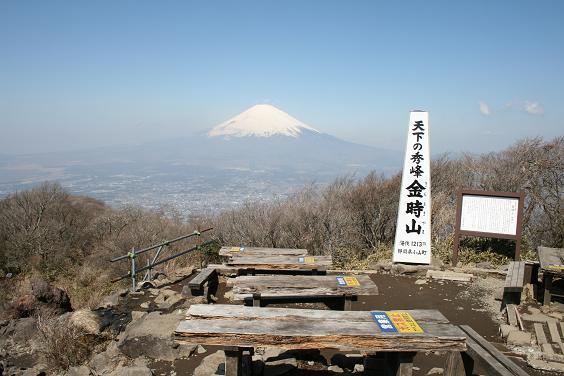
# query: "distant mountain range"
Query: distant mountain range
{"points": [[263, 144]]}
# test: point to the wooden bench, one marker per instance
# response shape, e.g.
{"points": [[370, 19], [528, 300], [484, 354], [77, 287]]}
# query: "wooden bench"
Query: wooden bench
{"points": [[206, 278], [241, 328], [514, 282], [486, 355], [261, 251], [281, 264], [262, 290]]}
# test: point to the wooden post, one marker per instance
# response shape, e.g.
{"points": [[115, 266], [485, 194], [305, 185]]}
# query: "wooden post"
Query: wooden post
{"points": [[454, 260], [347, 304], [401, 363], [547, 286], [454, 364], [233, 363], [376, 364], [247, 361], [256, 299]]}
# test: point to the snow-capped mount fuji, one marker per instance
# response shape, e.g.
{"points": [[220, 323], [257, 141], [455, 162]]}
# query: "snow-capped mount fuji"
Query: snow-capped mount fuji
{"points": [[261, 120], [265, 138]]}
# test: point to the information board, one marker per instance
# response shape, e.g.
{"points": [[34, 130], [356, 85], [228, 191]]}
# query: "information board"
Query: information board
{"points": [[496, 215], [413, 230], [490, 214]]}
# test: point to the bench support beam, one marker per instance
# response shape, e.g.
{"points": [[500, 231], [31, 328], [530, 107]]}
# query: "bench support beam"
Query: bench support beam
{"points": [[547, 286], [238, 361]]}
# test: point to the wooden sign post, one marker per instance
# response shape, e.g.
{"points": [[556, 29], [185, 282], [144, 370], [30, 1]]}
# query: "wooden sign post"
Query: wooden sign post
{"points": [[489, 214], [413, 230]]}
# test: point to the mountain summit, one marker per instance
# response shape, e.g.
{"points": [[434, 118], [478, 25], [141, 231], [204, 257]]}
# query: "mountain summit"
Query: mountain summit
{"points": [[262, 120]]}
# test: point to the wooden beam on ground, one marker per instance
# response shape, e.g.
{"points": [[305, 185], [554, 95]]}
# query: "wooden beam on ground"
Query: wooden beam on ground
{"points": [[539, 332], [511, 315], [490, 358], [553, 330]]}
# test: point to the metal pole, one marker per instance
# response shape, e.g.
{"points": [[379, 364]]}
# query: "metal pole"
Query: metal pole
{"points": [[132, 255], [148, 276]]}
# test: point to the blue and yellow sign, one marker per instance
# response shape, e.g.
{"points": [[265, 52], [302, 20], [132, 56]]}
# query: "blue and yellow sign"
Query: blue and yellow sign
{"points": [[347, 281], [395, 322], [306, 260]]}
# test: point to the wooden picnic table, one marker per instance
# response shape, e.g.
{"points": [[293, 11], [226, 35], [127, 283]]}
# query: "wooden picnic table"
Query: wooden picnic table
{"points": [[261, 251], [279, 263], [241, 328], [551, 265], [299, 288]]}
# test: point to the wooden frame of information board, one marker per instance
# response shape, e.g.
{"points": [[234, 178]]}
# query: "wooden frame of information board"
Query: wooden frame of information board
{"points": [[495, 194]]}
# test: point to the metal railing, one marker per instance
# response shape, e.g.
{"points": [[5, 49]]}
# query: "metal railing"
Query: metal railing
{"points": [[151, 263]]}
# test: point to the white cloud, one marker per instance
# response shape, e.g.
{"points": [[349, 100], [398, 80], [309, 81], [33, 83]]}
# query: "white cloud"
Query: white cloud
{"points": [[484, 108], [533, 108]]}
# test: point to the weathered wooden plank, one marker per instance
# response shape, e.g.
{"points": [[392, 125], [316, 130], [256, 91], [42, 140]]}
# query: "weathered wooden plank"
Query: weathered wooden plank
{"points": [[227, 311], [450, 276], [551, 259], [547, 348], [490, 358], [310, 334], [201, 278], [281, 262], [539, 332], [487, 361], [553, 330], [511, 316], [261, 251], [278, 286]]}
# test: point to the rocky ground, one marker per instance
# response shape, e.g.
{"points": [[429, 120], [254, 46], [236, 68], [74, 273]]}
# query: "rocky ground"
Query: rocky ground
{"points": [[131, 333]]}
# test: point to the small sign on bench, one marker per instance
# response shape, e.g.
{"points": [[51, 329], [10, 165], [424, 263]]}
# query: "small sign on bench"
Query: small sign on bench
{"points": [[306, 260], [396, 322], [347, 281]]}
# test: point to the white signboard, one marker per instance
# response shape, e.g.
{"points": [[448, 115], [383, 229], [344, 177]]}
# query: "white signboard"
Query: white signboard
{"points": [[413, 231], [495, 215]]}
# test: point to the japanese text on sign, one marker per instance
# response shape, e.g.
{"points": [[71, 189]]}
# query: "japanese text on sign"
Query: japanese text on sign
{"points": [[395, 322], [413, 231], [306, 260], [347, 281]]}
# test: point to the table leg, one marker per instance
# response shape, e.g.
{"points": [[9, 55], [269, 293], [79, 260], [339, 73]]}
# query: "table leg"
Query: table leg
{"points": [[401, 363], [256, 300], [233, 364], [547, 286], [247, 361], [347, 306], [376, 364], [455, 365]]}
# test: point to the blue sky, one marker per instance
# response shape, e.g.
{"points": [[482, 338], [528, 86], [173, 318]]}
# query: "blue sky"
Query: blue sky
{"points": [[75, 75]]}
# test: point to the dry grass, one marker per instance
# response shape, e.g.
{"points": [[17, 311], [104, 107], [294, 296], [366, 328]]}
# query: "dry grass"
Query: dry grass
{"points": [[62, 344]]}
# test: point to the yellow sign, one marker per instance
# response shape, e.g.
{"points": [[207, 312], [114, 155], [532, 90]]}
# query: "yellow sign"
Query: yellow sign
{"points": [[351, 281], [404, 322], [309, 260], [557, 267], [234, 249]]}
